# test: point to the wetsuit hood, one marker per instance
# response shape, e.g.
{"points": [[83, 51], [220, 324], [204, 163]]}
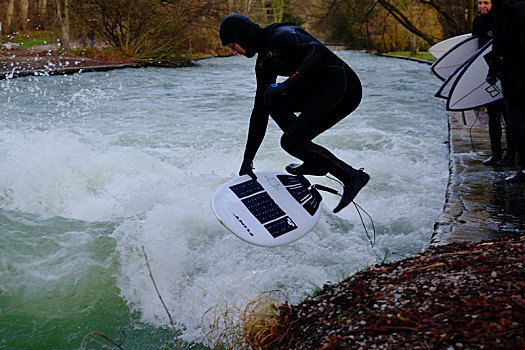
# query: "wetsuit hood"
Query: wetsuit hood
{"points": [[241, 30]]}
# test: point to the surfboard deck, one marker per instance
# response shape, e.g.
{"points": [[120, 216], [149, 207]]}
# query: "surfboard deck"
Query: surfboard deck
{"points": [[470, 90], [276, 209], [447, 64], [440, 48], [444, 90]]}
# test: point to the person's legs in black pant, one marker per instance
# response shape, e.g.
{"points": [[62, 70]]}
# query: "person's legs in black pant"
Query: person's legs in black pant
{"points": [[328, 106]]}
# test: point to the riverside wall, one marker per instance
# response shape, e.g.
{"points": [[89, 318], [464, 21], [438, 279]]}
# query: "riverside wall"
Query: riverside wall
{"points": [[479, 203]]}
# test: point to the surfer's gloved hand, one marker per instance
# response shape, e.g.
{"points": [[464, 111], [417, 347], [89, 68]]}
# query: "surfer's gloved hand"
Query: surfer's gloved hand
{"points": [[492, 78], [273, 91], [494, 72], [247, 169]]}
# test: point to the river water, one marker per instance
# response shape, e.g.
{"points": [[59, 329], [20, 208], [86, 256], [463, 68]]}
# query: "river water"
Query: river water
{"points": [[95, 166]]}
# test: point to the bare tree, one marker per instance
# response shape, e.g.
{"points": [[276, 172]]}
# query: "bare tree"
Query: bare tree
{"points": [[405, 21], [23, 14], [62, 7], [41, 12], [9, 16], [456, 15]]}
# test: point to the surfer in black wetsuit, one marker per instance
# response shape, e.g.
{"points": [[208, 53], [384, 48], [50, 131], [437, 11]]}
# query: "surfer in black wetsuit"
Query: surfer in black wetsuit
{"points": [[322, 87], [483, 28], [508, 64]]}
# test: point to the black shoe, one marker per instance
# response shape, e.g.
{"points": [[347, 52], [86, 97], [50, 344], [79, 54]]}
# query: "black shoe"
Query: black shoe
{"points": [[506, 161], [352, 188], [305, 169], [492, 160], [517, 178]]}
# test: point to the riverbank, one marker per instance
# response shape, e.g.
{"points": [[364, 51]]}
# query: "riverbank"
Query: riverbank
{"points": [[44, 60], [479, 204], [460, 296]]}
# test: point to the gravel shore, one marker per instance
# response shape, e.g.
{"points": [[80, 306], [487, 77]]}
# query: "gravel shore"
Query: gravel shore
{"points": [[458, 296]]}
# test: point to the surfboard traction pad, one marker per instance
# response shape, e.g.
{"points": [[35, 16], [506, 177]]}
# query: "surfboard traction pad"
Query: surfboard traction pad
{"points": [[264, 208]]}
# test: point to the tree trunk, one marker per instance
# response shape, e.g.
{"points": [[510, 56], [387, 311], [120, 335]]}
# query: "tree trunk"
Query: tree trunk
{"points": [[278, 10], [9, 16], [263, 12], [63, 22], [41, 13], [24, 11]]}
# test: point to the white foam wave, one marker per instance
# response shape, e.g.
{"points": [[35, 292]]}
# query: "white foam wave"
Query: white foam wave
{"points": [[148, 159]]}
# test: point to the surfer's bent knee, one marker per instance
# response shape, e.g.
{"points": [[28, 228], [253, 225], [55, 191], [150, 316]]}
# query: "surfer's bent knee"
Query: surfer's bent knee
{"points": [[289, 143]]}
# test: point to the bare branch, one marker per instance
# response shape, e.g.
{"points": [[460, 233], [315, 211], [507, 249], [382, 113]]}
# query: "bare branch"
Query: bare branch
{"points": [[404, 21]]}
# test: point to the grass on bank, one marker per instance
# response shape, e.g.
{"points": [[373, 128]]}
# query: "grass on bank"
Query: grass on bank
{"points": [[32, 38], [422, 55], [258, 325]]}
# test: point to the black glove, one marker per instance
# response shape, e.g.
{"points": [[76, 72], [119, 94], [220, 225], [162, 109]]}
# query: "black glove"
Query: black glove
{"points": [[247, 169], [492, 79], [275, 89], [494, 70]]}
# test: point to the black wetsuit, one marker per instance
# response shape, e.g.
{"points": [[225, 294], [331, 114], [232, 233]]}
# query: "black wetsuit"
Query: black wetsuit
{"points": [[320, 86], [509, 64], [483, 28]]}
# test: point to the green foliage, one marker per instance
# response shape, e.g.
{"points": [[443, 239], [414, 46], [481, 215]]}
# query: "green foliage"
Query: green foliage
{"points": [[349, 22], [346, 29], [317, 291], [290, 17], [340, 316], [278, 6]]}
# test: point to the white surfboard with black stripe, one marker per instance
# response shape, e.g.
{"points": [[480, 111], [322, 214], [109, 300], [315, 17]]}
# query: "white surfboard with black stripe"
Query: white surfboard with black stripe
{"points": [[276, 209], [442, 47], [470, 89], [447, 64]]}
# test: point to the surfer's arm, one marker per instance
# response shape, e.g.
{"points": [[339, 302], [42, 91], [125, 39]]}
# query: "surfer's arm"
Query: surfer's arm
{"points": [[260, 114], [256, 132], [497, 43]]}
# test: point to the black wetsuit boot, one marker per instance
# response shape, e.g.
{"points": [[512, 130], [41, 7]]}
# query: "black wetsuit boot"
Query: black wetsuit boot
{"points": [[494, 110], [305, 169], [356, 180], [352, 183]]}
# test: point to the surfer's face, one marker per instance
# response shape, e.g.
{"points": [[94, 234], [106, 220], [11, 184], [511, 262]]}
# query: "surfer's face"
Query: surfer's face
{"points": [[484, 6]]}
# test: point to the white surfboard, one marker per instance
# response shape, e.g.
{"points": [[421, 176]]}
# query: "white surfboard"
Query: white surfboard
{"points": [[444, 90], [447, 64], [443, 46], [276, 209], [470, 90]]}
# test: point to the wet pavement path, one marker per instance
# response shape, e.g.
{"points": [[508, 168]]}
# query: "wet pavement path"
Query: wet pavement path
{"points": [[479, 204]]}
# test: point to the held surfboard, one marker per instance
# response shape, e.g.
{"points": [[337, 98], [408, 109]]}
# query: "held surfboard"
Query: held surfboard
{"points": [[470, 90], [276, 209], [447, 64], [443, 46], [444, 90]]}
